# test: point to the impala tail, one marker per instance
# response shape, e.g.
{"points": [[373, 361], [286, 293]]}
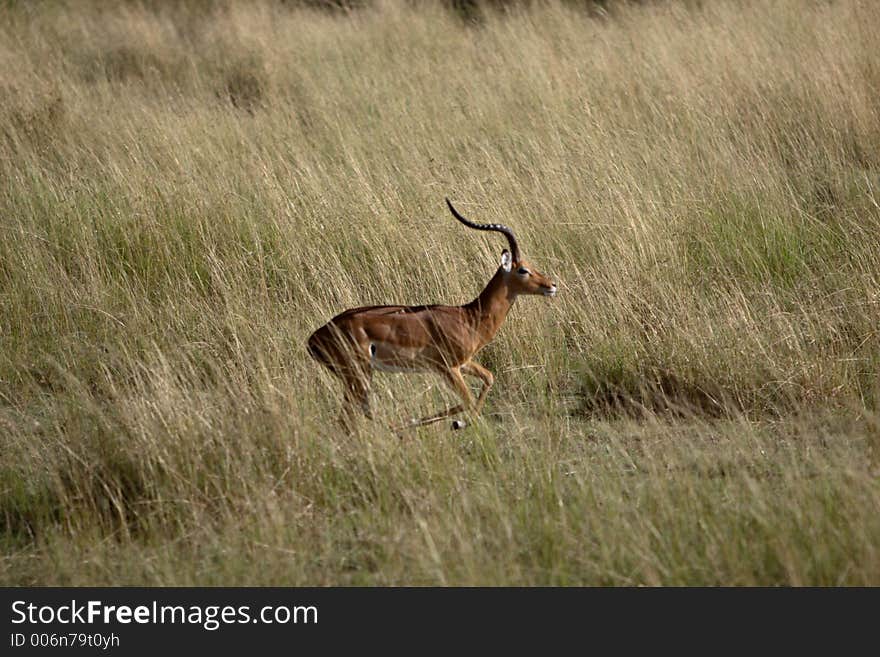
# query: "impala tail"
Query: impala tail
{"points": [[314, 348]]}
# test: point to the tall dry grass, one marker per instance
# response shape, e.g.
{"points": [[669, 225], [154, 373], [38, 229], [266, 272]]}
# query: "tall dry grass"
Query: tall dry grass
{"points": [[190, 188]]}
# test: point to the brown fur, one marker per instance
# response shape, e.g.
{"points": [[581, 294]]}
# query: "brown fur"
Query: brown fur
{"points": [[442, 339]]}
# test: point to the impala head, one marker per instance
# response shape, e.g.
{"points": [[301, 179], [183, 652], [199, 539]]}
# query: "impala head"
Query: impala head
{"points": [[520, 276]]}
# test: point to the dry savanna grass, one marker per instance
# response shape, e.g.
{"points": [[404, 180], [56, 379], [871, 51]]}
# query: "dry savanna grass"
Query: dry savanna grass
{"points": [[190, 188]]}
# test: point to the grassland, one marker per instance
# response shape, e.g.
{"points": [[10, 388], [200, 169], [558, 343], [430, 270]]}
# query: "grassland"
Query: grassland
{"points": [[187, 190]]}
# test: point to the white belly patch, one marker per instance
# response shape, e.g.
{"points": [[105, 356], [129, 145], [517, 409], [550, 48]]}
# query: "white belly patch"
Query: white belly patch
{"points": [[382, 361], [379, 366]]}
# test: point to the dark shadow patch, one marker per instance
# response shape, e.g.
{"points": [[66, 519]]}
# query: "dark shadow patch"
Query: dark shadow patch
{"points": [[126, 63], [32, 119], [245, 85], [656, 392], [330, 6]]}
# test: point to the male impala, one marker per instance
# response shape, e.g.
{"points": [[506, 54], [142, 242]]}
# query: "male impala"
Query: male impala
{"points": [[441, 339]]}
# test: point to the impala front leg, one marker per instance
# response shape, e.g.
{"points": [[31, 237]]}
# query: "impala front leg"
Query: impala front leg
{"points": [[488, 379], [477, 370], [456, 381]]}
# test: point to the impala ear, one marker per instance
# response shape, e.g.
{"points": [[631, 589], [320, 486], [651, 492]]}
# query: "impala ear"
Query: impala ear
{"points": [[506, 260]]}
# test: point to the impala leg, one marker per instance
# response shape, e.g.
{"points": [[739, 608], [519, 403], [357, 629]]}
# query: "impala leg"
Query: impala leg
{"points": [[356, 396], [477, 370], [452, 376]]}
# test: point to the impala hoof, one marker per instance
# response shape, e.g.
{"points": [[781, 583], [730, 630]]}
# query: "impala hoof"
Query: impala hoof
{"points": [[458, 424]]}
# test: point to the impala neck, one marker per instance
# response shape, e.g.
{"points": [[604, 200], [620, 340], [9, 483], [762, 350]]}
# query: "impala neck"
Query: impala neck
{"points": [[490, 308]]}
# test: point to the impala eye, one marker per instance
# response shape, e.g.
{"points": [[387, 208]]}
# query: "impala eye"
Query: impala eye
{"points": [[522, 271]]}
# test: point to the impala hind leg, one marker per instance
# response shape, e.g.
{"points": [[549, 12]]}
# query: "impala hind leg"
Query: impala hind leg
{"points": [[349, 362], [356, 396]]}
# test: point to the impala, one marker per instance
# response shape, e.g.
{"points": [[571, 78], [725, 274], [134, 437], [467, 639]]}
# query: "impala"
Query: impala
{"points": [[440, 339]]}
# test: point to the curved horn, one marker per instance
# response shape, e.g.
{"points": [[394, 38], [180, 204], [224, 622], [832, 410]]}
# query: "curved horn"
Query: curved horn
{"points": [[498, 228]]}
